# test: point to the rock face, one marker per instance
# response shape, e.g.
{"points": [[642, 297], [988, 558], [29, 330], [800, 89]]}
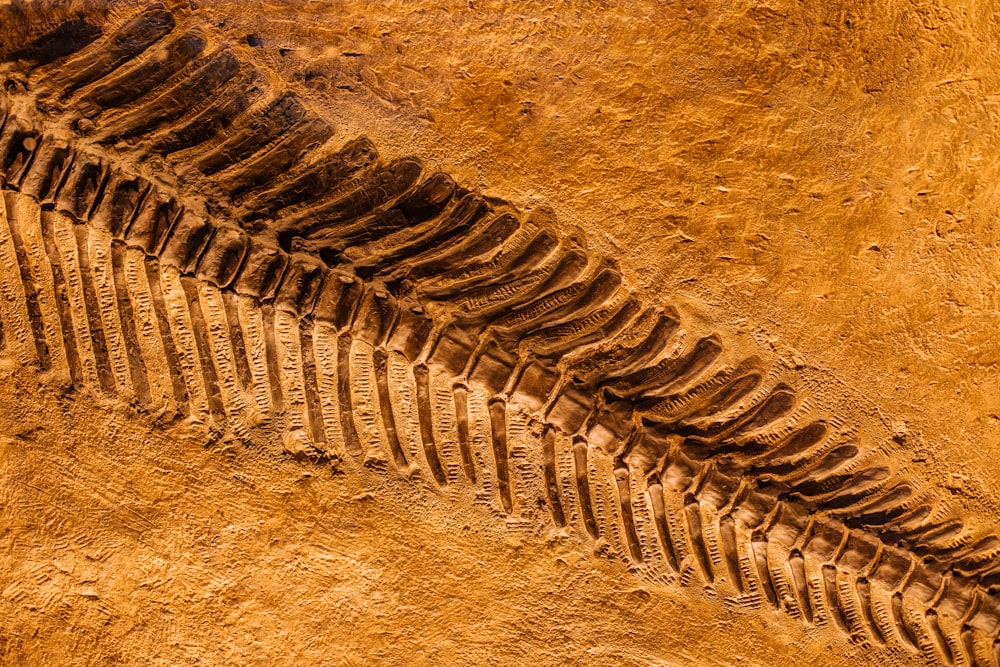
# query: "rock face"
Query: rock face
{"points": [[209, 280]]}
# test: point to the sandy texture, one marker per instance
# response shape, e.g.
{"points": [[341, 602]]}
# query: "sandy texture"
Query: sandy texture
{"points": [[815, 180], [816, 174]]}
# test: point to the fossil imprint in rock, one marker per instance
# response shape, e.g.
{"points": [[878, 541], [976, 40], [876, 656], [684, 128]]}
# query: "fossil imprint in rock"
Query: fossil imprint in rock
{"points": [[179, 233]]}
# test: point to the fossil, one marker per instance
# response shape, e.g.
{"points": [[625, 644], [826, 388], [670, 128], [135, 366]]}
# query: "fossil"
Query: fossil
{"points": [[178, 233]]}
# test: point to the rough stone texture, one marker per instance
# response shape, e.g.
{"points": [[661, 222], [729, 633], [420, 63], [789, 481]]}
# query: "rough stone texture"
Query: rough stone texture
{"points": [[817, 174], [818, 178]]}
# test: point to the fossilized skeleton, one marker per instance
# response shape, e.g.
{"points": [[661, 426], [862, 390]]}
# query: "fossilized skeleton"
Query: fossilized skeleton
{"points": [[367, 311]]}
